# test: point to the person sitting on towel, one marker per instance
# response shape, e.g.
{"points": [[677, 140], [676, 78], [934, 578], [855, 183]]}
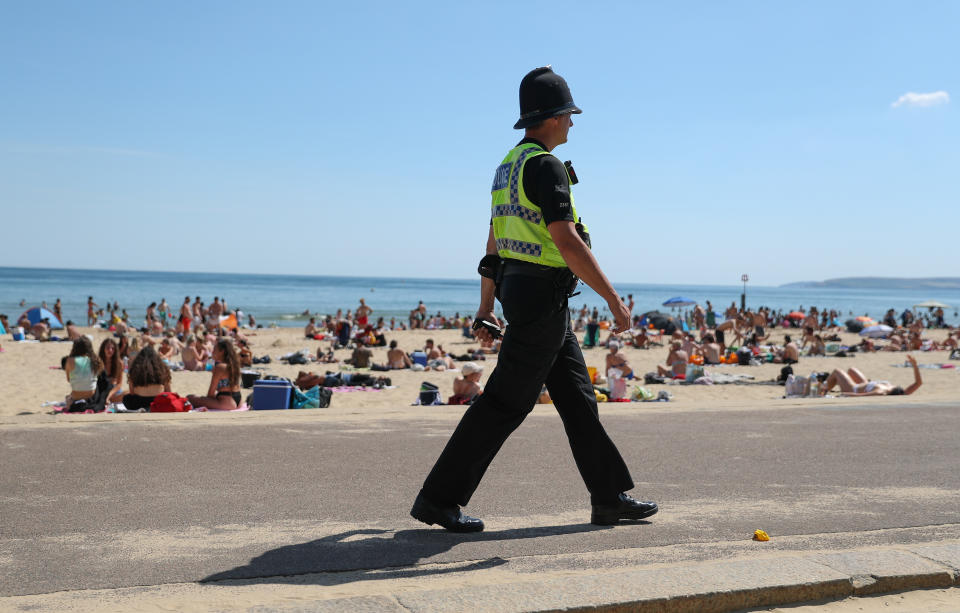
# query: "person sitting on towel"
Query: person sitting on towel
{"points": [[616, 359], [676, 362]]}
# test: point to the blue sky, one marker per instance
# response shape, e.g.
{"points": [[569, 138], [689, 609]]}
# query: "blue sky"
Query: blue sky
{"points": [[718, 138]]}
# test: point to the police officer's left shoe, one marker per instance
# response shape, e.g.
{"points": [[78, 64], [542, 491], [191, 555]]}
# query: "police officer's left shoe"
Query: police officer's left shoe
{"points": [[625, 507], [450, 517]]}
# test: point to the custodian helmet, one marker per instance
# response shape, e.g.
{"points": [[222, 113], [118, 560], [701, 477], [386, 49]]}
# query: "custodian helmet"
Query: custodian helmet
{"points": [[543, 94]]}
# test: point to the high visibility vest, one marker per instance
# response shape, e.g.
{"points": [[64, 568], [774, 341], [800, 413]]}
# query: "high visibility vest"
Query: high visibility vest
{"points": [[518, 225]]}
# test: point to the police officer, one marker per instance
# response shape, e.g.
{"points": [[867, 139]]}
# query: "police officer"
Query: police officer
{"points": [[536, 245]]}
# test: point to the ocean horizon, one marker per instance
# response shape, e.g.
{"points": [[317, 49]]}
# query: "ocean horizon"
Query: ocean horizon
{"points": [[282, 299]]}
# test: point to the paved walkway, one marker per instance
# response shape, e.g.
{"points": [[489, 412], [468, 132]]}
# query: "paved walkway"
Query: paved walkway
{"points": [[300, 512]]}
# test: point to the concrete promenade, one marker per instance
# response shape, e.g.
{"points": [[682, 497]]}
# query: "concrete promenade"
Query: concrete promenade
{"points": [[307, 511]]}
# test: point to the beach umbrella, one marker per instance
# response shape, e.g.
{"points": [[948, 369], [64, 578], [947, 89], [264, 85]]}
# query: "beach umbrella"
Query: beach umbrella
{"points": [[931, 304], [796, 315], [853, 325], [877, 331], [37, 314], [660, 321], [679, 301]]}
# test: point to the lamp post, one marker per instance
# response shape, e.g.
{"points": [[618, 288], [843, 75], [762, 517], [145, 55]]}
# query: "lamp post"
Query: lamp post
{"points": [[743, 297]]}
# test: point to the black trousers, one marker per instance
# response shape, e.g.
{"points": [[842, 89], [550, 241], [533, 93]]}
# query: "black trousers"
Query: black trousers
{"points": [[538, 347]]}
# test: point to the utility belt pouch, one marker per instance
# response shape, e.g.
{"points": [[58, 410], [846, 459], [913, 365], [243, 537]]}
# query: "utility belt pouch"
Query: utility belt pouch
{"points": [[566, 284], [491, 267]]}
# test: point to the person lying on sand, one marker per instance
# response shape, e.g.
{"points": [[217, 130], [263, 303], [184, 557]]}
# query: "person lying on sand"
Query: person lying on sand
{"points": [[854, 383]]}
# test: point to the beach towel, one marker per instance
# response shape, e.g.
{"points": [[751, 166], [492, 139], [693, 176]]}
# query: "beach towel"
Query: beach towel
{"points": [[242, 407], [359, 388], [314, 398]]}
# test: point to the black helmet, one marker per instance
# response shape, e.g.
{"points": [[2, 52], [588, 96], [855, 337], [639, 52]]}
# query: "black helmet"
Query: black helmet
{"points": [[543, 94]]}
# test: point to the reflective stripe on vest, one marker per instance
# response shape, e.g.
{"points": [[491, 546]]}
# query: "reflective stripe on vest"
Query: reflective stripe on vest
{"points": [[518, 226]]}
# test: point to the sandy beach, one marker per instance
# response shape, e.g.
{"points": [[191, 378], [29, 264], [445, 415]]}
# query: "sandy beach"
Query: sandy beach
{"points": [[30, 376]]}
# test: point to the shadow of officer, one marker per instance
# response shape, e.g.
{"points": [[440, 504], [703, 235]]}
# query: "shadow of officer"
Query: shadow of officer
{"points": [[367, 551]]}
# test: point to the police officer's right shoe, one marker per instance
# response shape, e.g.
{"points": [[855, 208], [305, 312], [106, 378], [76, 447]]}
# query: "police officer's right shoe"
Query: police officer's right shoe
{"points": [[451, 518], [625, 507]]}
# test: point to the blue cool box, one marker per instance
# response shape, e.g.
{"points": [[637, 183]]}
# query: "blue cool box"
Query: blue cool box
{"points": [[269, 395]]}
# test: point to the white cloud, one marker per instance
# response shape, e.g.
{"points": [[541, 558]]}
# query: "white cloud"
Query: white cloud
{"points": [[915, 99]]}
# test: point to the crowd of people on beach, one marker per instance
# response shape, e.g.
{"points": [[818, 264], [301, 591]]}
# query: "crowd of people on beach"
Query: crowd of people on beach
{"points": [[133, 366], [698, 337]]}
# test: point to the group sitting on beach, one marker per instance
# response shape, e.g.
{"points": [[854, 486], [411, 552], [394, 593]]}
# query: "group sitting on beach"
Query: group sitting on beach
{"points": [[96, 379]]}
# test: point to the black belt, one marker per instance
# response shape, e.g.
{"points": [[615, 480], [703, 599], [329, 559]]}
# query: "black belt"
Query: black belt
{"points": [[529, 269]]}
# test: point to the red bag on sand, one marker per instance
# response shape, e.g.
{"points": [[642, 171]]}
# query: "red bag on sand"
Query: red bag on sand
{"points": [[168, 402]]}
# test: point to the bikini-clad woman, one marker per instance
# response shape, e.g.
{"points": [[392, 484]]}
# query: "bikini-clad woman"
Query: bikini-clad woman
{"points": [[224, 391], [109, 355]]}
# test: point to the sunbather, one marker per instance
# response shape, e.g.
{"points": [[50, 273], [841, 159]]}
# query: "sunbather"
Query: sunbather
{"points": [[854, 383], [396, 358], [224, 390], [616, 359], [676, 362], [710, 349], [467, 387]]}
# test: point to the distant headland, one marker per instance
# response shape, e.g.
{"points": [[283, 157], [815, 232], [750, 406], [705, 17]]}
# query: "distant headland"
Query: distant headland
{"points": [[882, 283]]}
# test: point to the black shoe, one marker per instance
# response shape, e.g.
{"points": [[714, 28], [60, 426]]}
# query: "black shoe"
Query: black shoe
{"points": [[451, 518], [625, 508]]}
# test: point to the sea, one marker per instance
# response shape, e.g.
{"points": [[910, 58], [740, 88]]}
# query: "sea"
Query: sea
{"points": [[289, 300]]}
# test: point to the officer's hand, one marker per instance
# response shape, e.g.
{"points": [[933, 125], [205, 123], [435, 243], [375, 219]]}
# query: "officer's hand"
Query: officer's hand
{"points": [[621, 316], [482, 333]]}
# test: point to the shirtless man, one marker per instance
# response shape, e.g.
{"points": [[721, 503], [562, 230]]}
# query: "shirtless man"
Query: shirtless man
{"points": [[215, 310], [311, 330], [431, 351], [699, 317], [41, 330], [72, 332], [616, 359], [186, 315], [197, 314], [759, 323], [689, 345], [418, 315], [710, 349], [166, 350], [791, 353], [640, 338], [396, 358], [676, 361], [437, 358], [730, 325], [363, 313]]}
